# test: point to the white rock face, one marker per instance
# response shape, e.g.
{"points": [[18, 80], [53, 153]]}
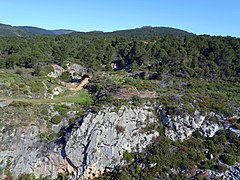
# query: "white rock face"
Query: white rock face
{"points": [[101, 139], [233, 173], [4, 103], [58, 70], [96, 144], [57, 90], [76, 71], [182, 127], [235, 131], [24, 153], [209, 129], [76, 68]]}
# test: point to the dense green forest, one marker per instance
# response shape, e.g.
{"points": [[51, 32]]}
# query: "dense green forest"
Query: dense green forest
{"points": [[24, 31], [177, 56], [209, 66]]}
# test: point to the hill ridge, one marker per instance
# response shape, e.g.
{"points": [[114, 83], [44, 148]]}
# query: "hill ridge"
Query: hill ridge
{"points": [[22, 31]]}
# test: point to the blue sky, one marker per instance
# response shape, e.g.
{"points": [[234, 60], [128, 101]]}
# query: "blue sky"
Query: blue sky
{"points": [[215, 17]]}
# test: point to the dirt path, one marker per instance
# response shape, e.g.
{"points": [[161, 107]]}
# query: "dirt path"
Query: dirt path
{"points": [[70, 86], [81, 84], [77, 86]]}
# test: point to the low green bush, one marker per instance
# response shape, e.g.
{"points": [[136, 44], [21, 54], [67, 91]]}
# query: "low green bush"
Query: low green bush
{"points": [[20, 104], [220, 168], [128, 156], [49, 135], [232, 119], [65, 77], [56, 119], [229, 159], [237, 125], [137, 101], [209, 164], [36, 87], [62, 109]]}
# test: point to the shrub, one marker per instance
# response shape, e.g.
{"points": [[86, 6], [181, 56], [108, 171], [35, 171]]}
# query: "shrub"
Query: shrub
{"points": [[222, 139], [213, 118], [128, 156], [210, 143], [65, 77], [220, 167], [20, 104], [62, 109], [209, 164], [229, 159], [14, 87], [19, 71], [62, 176], [47, 135], [118, 102], [197, 134], [221, 132], [232, 137], [48, 69], [231, 149], [232, 119], [237, 125], [189, 108], [137, 100], [26, 177], [37, 87], [56, 119]]}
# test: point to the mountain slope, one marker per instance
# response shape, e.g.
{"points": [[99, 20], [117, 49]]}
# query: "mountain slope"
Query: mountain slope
{"points": [[8, 30], [62, 31], [143, 33], [33, 31], [152, 107], [148, 30]]}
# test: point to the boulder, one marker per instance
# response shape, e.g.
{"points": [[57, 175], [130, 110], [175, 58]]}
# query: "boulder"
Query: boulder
{"points": [[58, 70]]}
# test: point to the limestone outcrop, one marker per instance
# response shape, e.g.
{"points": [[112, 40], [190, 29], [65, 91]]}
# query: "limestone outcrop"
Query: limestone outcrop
{"points": [[101, 139], [181, 127], [95, 145], [97, 142]]}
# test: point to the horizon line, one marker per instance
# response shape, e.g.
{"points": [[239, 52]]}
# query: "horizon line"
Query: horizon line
{"points": [[122, 29]]}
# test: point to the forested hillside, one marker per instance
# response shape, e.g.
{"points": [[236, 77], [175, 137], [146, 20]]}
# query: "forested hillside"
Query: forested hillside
{"points": [[24, 31], [162, 103], [175, 56]]}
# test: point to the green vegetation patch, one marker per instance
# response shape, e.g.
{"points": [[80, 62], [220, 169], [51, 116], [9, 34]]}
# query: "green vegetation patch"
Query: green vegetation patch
{"points": [[184, 158], [62, 109], [56, 119]]}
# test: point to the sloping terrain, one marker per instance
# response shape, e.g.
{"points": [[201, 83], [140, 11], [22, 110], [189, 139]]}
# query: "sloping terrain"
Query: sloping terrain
{"points": [[142, 107], [7, 30], [33, 31], [21, 31], [148, 30], [62, 31]]}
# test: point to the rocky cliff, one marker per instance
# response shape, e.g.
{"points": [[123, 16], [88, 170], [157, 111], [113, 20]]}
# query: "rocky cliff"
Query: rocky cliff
{"points": [[97, 142], [93, 146]]}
